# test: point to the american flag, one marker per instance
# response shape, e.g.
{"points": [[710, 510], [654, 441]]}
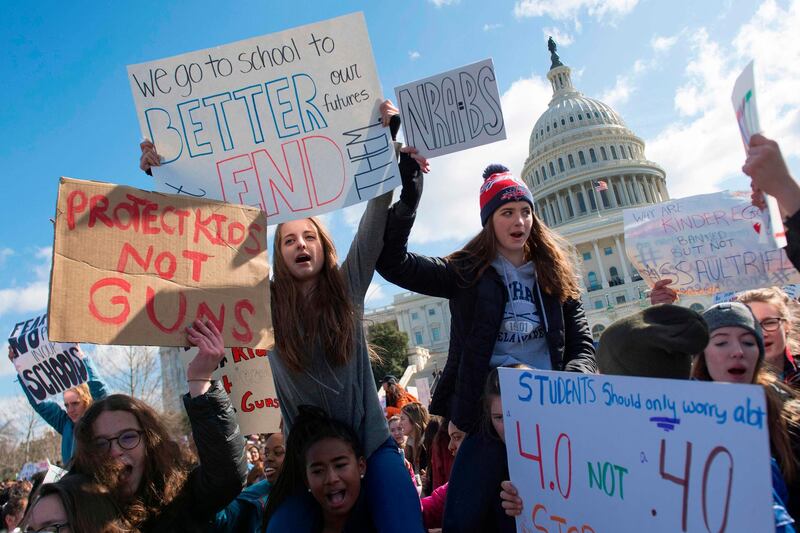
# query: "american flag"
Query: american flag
{"points": [[600, 185]]}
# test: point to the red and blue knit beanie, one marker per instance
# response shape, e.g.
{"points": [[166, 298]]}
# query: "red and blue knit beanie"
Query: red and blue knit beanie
{"points": [[500, 187]]}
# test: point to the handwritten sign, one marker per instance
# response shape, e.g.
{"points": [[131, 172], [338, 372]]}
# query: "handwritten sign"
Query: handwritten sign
{"points": [[45, 368], [594, 454], [452, 111], [729, 296], [133, 267], [246, 376], [707, 243], [29, 469], [744, 105], [287, 122]]}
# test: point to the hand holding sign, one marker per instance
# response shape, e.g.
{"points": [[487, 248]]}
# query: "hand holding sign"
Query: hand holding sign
{"points": [[767, 169]]}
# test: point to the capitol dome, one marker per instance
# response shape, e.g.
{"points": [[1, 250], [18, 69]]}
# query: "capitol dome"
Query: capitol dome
{"points": [[584, 167]]}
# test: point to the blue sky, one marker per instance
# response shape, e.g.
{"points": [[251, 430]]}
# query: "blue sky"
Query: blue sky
{"points": [[667, 67]]}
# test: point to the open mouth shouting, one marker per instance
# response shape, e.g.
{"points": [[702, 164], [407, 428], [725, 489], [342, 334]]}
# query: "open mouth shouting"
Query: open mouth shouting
{"points": [[336, 499]]}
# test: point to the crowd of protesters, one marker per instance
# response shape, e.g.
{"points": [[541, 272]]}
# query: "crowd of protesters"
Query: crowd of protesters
{"points": [[343, 462]]}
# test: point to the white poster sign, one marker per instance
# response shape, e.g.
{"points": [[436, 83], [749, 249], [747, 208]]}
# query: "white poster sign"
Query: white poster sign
{"points": [[288, 122], [452, 111], [45, 368], [246, 376], [595, 454], [706, 244]]}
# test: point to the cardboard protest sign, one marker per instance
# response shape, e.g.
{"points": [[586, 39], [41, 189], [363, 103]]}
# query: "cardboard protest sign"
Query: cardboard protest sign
{"points": [[593, 453], [707, 243], [791, 291], [247, 378], [452, 111], [288, 122], [744, 105], [423, 391], [132, 267], [45, 368]]}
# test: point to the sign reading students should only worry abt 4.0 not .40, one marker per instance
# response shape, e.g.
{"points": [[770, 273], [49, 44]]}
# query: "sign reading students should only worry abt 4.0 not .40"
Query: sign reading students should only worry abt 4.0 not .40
{"points": [[287, 122], [133, 267], [599, 454], [452, 111], [45, 368]]}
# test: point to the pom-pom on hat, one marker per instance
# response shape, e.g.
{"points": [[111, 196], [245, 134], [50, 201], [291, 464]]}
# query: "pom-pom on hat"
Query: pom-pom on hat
{"points": [[500, 187]]}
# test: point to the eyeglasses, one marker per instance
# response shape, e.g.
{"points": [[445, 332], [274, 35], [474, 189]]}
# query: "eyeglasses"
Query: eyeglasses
{"points": [[54, 528], [772, 323], [127, 440]]}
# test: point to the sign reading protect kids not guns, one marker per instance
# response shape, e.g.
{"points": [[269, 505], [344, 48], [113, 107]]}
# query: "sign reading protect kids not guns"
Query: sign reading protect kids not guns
{"points": [[706, 244], [287, 122], [246, 376], [45, 368], [600, 454], [133, 267]]}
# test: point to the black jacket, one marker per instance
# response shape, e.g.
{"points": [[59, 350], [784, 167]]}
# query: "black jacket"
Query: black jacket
{"points": [[792, 225], [477, 313], [221, 474]]}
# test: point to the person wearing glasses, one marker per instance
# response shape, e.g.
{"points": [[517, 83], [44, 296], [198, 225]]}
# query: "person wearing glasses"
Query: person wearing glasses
{"points": [[74, 504], [774, 311], [123, 443]]}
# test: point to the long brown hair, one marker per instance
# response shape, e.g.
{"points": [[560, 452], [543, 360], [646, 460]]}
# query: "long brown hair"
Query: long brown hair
{"points": [[549, 252], [781, 412], [419, 417], [88, 505], [326, 316], [165, 470]]}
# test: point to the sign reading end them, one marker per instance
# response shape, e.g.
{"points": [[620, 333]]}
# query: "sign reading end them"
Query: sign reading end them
{"points": [[452, 111], [133, 267], [287, 122]]}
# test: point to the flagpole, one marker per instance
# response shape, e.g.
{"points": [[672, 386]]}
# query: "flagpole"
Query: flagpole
{"points": [[596, 199]]}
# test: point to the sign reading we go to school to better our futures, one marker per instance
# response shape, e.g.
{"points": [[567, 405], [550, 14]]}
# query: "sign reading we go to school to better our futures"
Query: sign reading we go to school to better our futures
{"points": [[287, 122], [705, 244], [601, 454], [133, 267], [452, 111]]}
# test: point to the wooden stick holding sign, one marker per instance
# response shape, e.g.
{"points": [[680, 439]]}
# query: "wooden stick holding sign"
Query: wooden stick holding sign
{"points": [[287, 122], [132, 267]]}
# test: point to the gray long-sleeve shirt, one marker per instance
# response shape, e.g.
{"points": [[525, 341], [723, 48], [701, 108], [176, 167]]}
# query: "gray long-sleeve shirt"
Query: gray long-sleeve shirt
{"points": [[347, 393]]}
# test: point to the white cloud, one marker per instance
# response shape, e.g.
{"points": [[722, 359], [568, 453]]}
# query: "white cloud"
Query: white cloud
{"points": [[561, 38], [376, 295], [702, 148], [570, 9], [449, 207], [33, 295], [440, 3], [663, 44], [621, 92], [413, 55], [491, 27], [5, 253]]}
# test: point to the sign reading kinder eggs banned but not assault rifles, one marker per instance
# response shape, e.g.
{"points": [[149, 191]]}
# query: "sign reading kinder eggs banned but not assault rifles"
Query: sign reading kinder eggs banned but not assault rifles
{"points": [[706, 244], [45, 368], [288, 122], [452, 111], [133, 267], [246, 376], [599, 454]]}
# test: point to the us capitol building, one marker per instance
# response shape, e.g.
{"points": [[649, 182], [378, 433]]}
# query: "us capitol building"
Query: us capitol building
{"points": [[584, 167]]}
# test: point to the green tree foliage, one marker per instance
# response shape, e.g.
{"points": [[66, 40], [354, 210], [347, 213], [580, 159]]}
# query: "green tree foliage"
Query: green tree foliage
{"points": [[390, 344]]}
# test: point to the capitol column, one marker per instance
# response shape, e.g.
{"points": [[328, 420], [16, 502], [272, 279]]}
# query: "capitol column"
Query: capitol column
{"points": [[600, 265], [623, 259], [562, 206]]}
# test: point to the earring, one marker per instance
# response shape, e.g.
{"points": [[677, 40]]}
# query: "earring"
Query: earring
{"points": [[309, 491], [362, 476]]}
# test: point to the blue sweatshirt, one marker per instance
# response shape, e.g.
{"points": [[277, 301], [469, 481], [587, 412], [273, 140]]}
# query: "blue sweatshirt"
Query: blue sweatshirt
{"points": [[521, 338], [56, 416]]}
